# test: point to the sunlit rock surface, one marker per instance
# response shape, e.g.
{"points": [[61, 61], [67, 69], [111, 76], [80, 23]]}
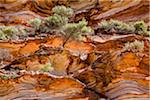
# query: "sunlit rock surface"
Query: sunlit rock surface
{"points": [[16, 11], [98, 68], [40, 86]]}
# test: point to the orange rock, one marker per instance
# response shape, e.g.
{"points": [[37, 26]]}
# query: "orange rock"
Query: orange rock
{"points": [[29, 48]]}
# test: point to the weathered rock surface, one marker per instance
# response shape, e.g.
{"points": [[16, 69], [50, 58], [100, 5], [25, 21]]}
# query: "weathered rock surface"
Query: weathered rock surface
{"points": [[98, 68]]}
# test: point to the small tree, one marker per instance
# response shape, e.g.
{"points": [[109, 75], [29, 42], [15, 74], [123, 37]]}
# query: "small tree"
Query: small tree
{"points": [[76, 30], [60, 17], [58, 23]]}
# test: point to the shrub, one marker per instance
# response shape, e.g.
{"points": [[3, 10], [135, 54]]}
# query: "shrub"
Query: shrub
{"points": [[36, 26], [59, 22], [47, 67], [104, 24], [117, 25], [141, 28], [8, 32], [60, 17], [35, 23], [5, 77], [136, 46], [138, 27], [11, 33], [56, 21], [63, 11], [2, 35], [77, 30]]}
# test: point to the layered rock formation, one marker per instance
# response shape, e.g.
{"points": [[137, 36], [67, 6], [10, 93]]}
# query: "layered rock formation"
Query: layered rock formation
{"points": [[101, 67]]}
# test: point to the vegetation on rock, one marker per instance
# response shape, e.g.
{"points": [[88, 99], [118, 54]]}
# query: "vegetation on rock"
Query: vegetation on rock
{"points": [[138, 27], [55, 22], [116, 25], [47, 67], [58, 23], [141, 28], [63, 11], [5, 77], [110, 64], [8, 32], [11, 33], [136, 46], [77, 30]]}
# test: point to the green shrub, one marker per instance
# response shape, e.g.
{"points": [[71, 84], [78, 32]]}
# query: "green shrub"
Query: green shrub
{"points": [[86, 29], [104, 24], [60, 17], [2, 35], [8, 32], [117, 25], [36, 26], [77, 30], [138, 27], [59, 22], [56, 21], [141, 28], [136, 46], [12, 33], [5, 77], [63, 11], [47, 67], [35, 23]]}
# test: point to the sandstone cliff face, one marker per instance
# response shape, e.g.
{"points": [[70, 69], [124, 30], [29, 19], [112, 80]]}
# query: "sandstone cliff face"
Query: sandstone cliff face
{"points": [[16, 11], [99, 68]]}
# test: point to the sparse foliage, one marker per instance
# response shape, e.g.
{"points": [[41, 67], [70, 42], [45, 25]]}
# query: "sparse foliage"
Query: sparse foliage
{"points": [[35, 26], [141, 28], [56, 21], [63, 11], [136, 46], [11, 33], [8, 76], [138, 27], [35, 23], [116, 25], [5, 77], [8, 32], [77, 30], [60, 17], [47, 67]]}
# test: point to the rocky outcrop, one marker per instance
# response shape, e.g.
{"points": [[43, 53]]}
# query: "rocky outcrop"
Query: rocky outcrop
{"points": [[104, 66]]}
